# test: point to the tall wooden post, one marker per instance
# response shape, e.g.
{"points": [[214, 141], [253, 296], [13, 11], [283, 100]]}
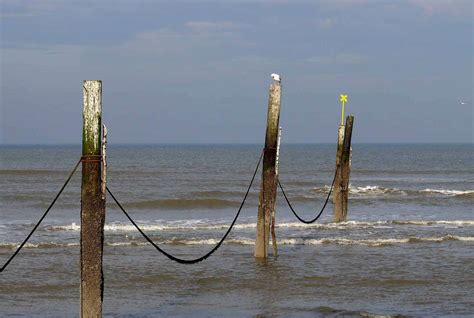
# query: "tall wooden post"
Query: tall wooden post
{"points": [[92, 203], [346, 165], [269, 181], [336, 193], [343, 166], [273, 221]]}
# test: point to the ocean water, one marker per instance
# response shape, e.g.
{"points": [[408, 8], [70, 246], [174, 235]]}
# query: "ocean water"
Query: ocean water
{"points": [[407, 249]]}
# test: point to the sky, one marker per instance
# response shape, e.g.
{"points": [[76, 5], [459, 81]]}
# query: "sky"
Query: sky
{"points": [[199, 71]]}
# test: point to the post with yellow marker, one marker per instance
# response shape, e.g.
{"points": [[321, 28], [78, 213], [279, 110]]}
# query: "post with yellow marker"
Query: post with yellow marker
{"points": [[343, 99], [343, 166]]}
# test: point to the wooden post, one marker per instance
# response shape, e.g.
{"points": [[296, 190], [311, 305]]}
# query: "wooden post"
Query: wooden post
{"points": [[346, 165], [269, 182], [343, 166], [92, 204], [273, 223], [336, 194]]}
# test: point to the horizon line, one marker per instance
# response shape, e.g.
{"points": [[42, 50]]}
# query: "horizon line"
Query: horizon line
{"points": [[240, 143]]}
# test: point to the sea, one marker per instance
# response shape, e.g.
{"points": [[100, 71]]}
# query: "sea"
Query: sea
{"points": [[407, 249]]}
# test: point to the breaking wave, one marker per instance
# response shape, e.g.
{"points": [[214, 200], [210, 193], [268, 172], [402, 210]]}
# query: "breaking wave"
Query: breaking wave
{"points": [[203, 225], [37, 245], [377, 190], [452, 193], [246, 241], [367, 190], [373, 242]]}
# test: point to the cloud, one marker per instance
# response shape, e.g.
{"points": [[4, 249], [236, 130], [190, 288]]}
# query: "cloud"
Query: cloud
{"points": [[195, 36], [185, 55]]}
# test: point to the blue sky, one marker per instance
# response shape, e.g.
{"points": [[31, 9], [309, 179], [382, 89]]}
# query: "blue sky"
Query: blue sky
{"points": [[198, 71]]}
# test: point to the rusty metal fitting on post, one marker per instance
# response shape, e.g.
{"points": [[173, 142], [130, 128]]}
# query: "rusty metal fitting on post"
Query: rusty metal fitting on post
{"points": [[91, 158]]}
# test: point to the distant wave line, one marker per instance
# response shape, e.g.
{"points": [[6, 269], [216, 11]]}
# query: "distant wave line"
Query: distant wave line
{"points": [[284, 241], [378, 190], [225, 199], [201, 225]]}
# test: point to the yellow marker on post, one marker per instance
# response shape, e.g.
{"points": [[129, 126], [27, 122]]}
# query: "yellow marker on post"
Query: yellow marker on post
{"points": [[343, 100]]}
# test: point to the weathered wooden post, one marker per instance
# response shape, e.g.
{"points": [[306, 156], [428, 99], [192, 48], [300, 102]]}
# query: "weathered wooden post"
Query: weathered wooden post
{"points": [[346, 165], [336, 193], [273, 223], [269, 181], [92, 203], [343, 166]]}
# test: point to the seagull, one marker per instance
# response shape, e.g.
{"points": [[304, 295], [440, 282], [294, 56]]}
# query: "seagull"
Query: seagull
{"points": [[276, 77], [463, 103]]}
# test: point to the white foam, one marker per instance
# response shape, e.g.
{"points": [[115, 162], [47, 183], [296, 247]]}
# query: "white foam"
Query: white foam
{"points": [[305, 241], [447, 192], [367, 190], [200, 225], [336, 240], [127, 244], [464, 238], [373, 242], [376, 242], [378, 190], [371, 190], [37, 245], [434, 222]]}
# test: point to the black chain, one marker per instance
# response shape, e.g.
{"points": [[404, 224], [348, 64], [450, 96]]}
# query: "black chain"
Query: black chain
{"points": [[42, 217], [196, 260], [322, 209]]}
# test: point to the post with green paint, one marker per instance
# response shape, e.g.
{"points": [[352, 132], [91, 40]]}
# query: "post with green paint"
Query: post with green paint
{"points": [[343, 167], [337, 191], [346, 166], [92, 203], [268, 187]]}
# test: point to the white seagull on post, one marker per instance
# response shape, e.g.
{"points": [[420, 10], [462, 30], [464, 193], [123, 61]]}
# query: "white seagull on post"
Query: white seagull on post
{"points": [[276, 77]]}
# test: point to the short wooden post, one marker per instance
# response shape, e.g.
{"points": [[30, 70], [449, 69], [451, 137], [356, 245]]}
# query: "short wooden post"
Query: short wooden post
{"points": [[346, 165], [269, 182], [92, 203], [337, 194]]}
